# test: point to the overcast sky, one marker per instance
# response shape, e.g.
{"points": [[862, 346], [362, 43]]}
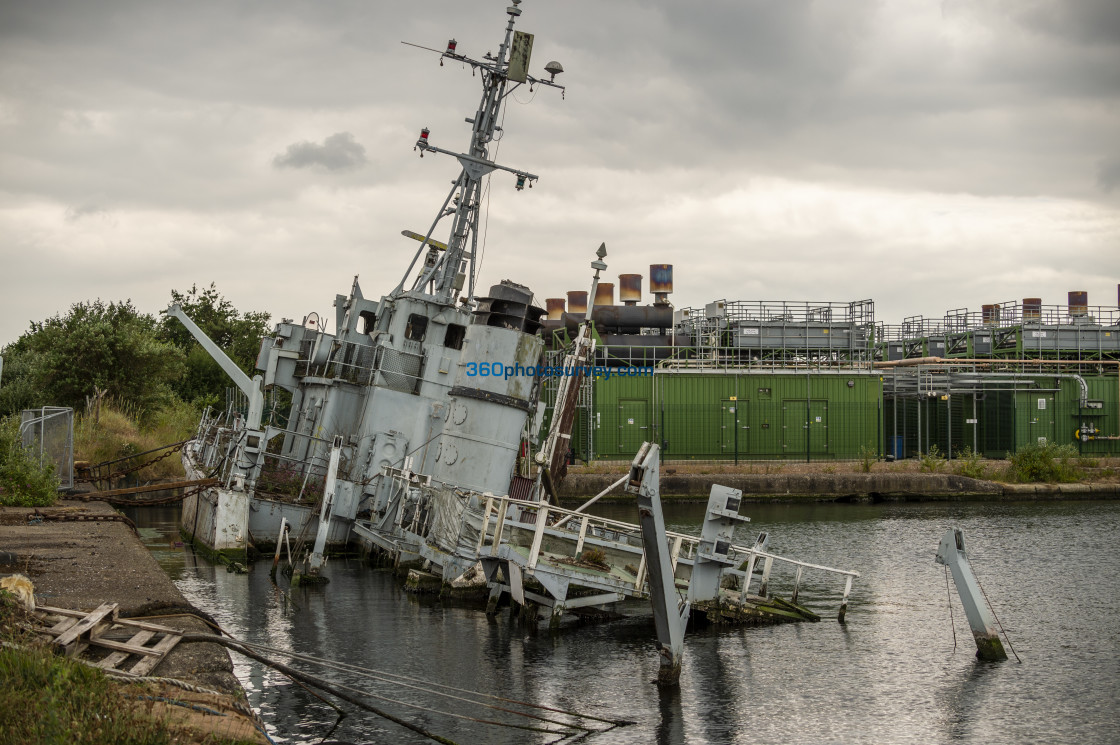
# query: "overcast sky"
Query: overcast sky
{"points": [[927, 155]]}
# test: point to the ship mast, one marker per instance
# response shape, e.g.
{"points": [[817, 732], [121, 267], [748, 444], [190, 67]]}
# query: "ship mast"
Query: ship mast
{"points": [[445, 272]]}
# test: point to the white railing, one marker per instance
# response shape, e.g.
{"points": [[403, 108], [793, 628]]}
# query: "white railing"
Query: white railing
{"points": [[503, 518]]}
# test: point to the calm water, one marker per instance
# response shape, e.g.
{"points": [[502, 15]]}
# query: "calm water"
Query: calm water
{"points": [[891, 675]]}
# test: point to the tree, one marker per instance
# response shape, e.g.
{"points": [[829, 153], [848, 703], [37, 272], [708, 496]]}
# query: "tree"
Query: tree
{"points": [[96, 345], [238, 334]]}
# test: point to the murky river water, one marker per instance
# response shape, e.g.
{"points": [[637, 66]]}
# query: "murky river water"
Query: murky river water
{"points": [[891, 675]]}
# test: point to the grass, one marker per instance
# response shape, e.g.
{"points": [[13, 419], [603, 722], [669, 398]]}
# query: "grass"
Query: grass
{"points": [[867, 458], [969, 463], [120, 431], [932, 461], [965, 462]]}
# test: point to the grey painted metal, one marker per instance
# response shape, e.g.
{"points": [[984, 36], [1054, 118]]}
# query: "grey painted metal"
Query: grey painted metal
{"points": [[951, 552], [716, 540], [670, 611], [279, 546], [315, 563], [251, 388], [594, 499]]}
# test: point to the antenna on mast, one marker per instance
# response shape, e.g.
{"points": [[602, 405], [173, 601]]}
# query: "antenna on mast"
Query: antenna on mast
{"points": [[443, 276]]}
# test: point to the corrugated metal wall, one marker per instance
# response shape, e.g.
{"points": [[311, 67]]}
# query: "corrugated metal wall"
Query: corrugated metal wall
{"points": [[728, 416], [713, 416]]}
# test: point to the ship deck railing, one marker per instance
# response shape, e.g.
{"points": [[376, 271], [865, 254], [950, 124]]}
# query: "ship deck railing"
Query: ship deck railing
{"points": [[553, 540]]}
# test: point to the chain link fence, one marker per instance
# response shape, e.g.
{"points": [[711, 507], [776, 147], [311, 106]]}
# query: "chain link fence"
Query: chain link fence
{"points": [[48, 433]]}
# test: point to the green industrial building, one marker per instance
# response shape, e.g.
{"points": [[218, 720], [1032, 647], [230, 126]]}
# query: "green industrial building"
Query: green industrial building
{"points": [[733, 415], [739, 381]]}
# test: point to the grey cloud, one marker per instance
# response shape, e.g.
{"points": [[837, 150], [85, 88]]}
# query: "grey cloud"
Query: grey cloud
{"points": [[1084, 21], [87, 209], [1108, 174], [339, 152]]}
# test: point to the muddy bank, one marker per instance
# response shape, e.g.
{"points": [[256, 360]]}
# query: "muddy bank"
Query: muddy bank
{"points": [[825, 487], [83, 554]]}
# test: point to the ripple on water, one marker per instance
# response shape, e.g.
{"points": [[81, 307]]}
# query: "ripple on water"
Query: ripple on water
{"points": [[890, 675]]}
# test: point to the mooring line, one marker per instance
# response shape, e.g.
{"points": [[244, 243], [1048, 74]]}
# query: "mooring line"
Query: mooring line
{"points": [[467, 717], [996, 616], [343, 667], [313, 681], [952, 621], [389, 677]]}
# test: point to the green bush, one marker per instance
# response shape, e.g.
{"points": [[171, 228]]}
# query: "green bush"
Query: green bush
{"points": [[933, 461], [23, 481], [1047, 463], [968, 464]]}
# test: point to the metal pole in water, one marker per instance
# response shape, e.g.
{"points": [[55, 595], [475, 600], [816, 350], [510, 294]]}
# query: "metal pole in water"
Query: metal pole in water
{"points": [[326, 512], [670, 615], [952, 554], [279, 545], [843, 614]]}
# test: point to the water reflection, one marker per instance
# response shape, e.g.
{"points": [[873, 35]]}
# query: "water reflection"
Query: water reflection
{"points": [[889, 675], [670, 730]]}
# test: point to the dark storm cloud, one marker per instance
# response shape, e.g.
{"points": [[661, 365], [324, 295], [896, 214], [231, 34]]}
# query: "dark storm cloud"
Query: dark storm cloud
{"points": [[339, 152]]}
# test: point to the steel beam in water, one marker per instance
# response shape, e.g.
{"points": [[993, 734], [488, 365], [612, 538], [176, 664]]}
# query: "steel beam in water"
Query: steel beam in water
{"points": [[326, 512], [670, 613], [952, 554]]}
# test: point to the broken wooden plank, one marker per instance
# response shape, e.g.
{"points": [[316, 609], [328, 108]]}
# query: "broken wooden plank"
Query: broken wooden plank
{"points": [[116, 658], [147, 626], [52, 611], [69, 639], [79, 630], [62, 625], [126, 647], [160, 650]]}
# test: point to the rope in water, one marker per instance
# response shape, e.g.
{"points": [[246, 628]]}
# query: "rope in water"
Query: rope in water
{"points": [[952, 621], [998, 622], [313, 681], [428, 686], [343, 691]]}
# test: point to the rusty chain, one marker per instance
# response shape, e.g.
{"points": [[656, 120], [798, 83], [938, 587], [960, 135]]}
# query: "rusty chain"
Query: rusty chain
{"points": [[120, 502], [117, 474], [69, 517]]}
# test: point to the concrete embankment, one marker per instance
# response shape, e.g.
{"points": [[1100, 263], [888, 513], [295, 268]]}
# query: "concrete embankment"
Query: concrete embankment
{"points": [[778, 487], [82, 554]]}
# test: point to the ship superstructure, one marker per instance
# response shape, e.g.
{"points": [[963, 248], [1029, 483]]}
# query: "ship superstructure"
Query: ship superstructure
{"points": [[391, 389]]}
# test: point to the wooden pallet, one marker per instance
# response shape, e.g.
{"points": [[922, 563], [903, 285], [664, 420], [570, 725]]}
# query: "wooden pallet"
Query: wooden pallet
{"points": [[78, 631]]}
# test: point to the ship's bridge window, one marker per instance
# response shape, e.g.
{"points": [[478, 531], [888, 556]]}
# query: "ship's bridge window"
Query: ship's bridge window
{"points": [[455, 335], [417, 327], [367, 320]]}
